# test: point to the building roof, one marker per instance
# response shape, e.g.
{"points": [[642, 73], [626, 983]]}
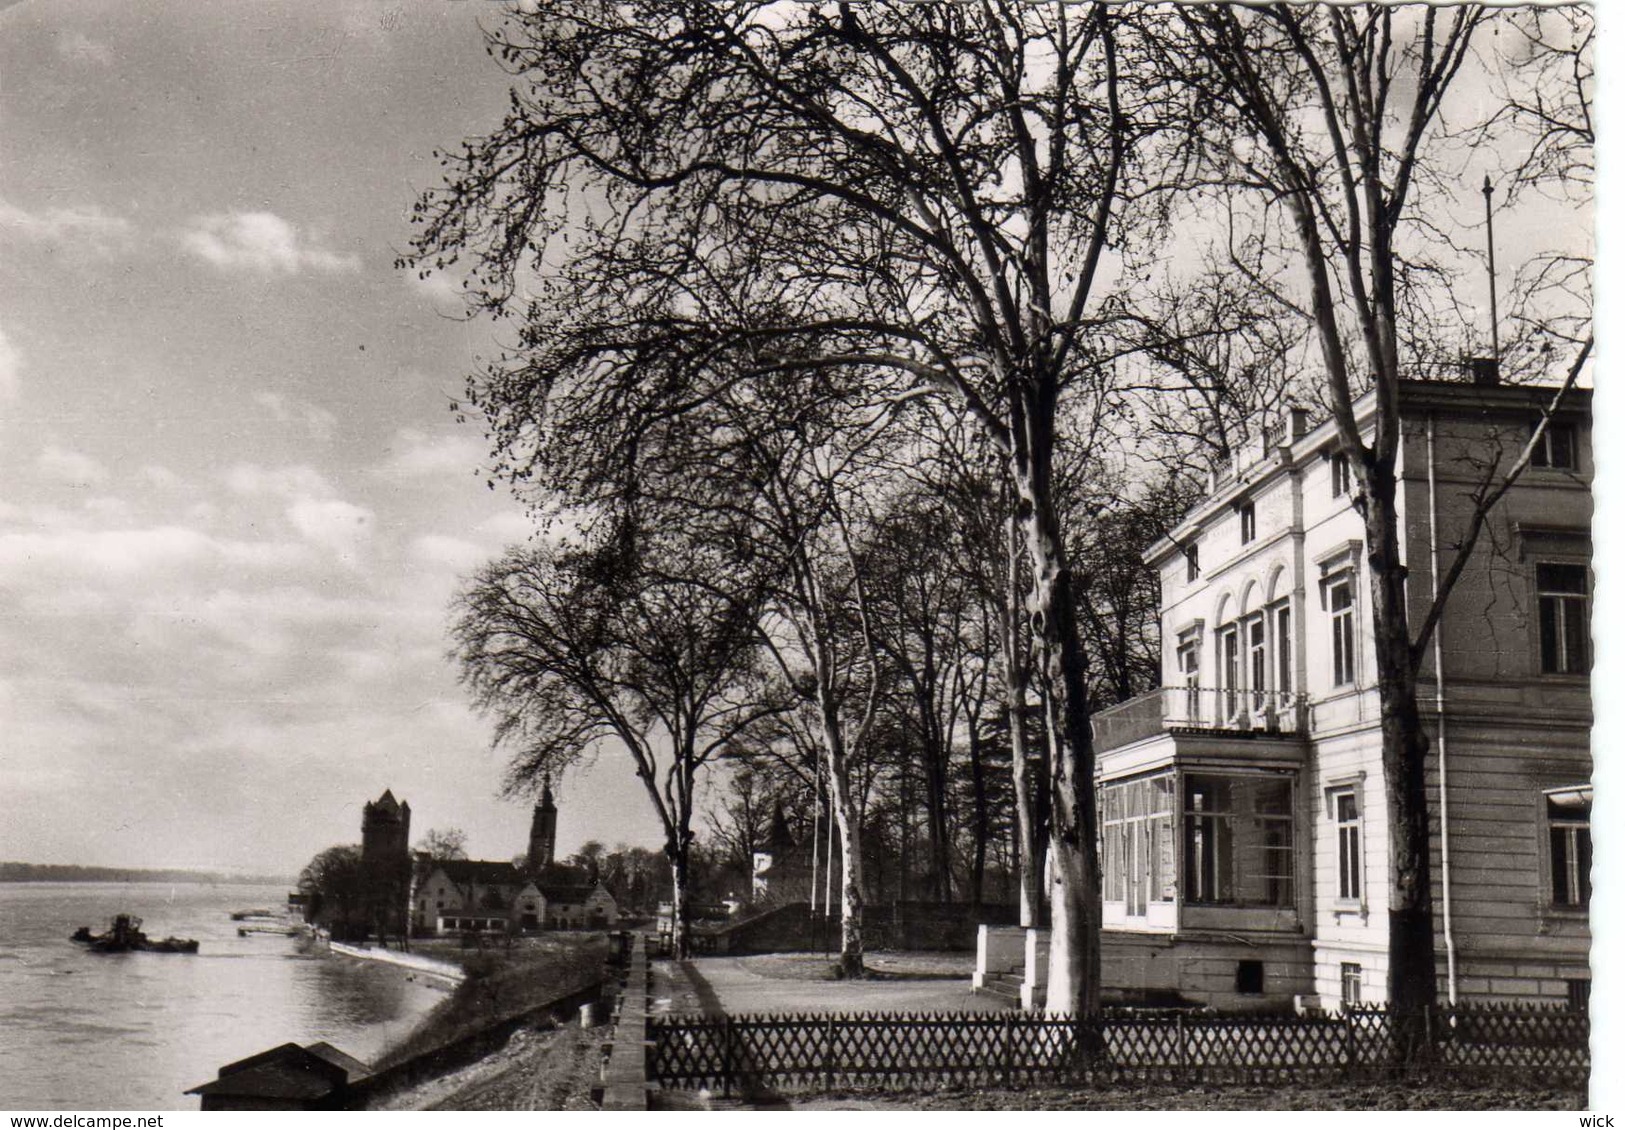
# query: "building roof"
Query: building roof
{"points": [[354, 1067], [486, 872], [1296, 438], [286, 1071], [567, 893]]}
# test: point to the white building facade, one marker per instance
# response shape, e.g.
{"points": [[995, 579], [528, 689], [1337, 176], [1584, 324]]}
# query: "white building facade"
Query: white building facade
{"points": [[1243, 823]]}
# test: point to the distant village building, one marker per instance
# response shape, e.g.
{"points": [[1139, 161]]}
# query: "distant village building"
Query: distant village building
{"points": [[496, 896], [781, 870]]}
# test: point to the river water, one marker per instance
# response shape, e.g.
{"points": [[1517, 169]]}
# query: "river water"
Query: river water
{"points": [[87, 1031]]}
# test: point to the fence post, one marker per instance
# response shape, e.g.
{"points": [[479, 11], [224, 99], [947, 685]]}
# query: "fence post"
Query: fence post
{"points": [[1184, 1060], [829, 1054], [727, 1056], [1427, 1035], [1009, 1050], [1349, 1056]]}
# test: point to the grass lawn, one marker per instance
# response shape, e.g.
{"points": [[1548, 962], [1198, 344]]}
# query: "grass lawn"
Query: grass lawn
{"points": [[883, 965]]}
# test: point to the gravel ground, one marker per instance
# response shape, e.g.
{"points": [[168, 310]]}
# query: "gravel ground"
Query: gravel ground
{"points": [[537, 1070], [1287, 1097]]}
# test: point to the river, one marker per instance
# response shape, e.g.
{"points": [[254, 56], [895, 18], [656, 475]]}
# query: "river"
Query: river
{"points": [[87, 1031]]}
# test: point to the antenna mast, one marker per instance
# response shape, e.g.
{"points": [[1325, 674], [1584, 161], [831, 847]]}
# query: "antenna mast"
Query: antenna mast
{"points": [[1495, 317]]}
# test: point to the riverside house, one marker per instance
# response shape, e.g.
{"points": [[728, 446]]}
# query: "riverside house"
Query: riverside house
{"points": [[1244, 831]]}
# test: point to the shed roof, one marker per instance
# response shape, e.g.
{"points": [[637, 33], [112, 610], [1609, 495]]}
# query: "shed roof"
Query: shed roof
{"points": [[286, 1071]]}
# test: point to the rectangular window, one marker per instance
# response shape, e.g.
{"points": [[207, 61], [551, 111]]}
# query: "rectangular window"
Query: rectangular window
{"points": [[1350, 866], [1350, 977], [1283, 650], [1249, 522], [1137, 841], [1192, 568], [1257, 661], [1565, 643], [1238, 840], [1556, 449], [1340, 598], [1579, 994], [1250, 977], [1340, 475], [1190, 659], [1568, 824], [1230, 671]]}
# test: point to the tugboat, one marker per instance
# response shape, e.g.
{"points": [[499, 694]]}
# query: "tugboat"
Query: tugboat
{"points": [[125, 936]]}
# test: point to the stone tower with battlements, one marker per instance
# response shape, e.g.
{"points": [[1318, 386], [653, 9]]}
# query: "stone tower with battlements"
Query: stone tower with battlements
{"points": [[386, 863]]}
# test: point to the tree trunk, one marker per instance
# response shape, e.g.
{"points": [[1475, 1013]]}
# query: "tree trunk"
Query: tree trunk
{"points": [[679, 903], [978, 778], [1074, 954], [1015, 695], [851, 885], [936, 821], [1412, 976], [840, 791]]}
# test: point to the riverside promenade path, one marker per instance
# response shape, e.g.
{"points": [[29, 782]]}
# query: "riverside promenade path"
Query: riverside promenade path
{"points": [[731, 986]]}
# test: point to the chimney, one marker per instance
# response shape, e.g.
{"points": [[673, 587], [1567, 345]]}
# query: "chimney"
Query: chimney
{"points": [[1486, 371], [1299, 426]]}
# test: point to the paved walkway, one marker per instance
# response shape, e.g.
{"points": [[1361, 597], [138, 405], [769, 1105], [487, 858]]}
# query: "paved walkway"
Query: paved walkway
{"points": [[726, 986]]}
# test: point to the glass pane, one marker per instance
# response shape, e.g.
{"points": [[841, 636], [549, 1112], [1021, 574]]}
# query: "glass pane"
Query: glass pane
{"points": [[1348, 808], [1561, 578], [1561, 439], [1166, 886], [1582, 843], [1550, 660], [1341, 596], [1354, 863], [1561, 894], [1574, 636]]}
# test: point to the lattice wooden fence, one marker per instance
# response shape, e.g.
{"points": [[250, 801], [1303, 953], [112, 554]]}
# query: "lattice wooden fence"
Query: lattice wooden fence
{"points": [[908, 1051]]}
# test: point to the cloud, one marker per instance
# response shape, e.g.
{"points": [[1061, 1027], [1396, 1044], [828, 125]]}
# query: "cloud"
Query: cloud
{"points": [[77, 47], [11, 361], [86, 227], [441, 288], [260, 242], [321, 423], [414, 454], [155, 474], [300, 481], [70, 468], [454, 555], [333, 524]]}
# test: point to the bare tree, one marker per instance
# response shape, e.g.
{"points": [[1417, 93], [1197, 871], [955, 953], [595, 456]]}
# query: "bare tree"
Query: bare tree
{"points": [[441, 844], [573, 650], [931, 191]]}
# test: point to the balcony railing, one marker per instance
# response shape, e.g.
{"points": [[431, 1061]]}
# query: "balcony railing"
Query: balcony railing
{"points": [[1200, 708]]}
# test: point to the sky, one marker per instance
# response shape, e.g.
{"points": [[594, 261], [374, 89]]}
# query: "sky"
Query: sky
{"points": [[234, 506]]}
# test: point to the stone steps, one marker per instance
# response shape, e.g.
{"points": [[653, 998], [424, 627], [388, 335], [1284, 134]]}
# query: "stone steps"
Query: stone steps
{"points": [[1002, 986]]}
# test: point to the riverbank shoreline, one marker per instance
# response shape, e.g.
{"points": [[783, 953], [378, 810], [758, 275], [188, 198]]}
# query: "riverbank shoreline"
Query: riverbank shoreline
{"points": [[417, 963], [496, 1031]]}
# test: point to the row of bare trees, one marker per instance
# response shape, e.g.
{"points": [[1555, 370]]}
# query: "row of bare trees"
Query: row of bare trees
{"points": [[857, 351]]}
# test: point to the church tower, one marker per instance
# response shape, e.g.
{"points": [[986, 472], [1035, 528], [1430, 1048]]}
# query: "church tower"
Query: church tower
{"points": [[544, 827]]}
